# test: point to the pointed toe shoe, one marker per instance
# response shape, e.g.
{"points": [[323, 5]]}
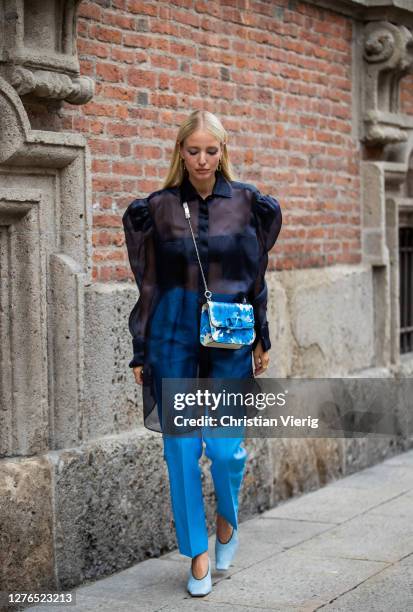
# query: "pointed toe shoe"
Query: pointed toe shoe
{"points": [[197, 587], [224, 553]]}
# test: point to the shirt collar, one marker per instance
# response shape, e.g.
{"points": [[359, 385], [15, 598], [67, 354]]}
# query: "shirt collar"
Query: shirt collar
{"points": [[222, 187]]}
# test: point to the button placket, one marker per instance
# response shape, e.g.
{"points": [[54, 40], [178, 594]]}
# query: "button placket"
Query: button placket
{"points": [[203, 228]]}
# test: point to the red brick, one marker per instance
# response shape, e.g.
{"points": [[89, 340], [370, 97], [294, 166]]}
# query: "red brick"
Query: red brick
{"points": [[147, 152], [91, 47], [137, 40], [105, 184], [121, 129], [119, 21], [125, 168], [106, 220], [105, 34], [141, 78], [279, 75], [118, 92], [110, 72], [101, 166], [105, 147], [162, 61], [142, 7], [127, 56], [88, 10]]}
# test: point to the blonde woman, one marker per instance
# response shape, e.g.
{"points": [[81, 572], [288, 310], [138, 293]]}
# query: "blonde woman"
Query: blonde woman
{"points": [[235, 226]]}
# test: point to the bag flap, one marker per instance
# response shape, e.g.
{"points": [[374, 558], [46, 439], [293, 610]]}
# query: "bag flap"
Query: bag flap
{"points": [[231, 315]]}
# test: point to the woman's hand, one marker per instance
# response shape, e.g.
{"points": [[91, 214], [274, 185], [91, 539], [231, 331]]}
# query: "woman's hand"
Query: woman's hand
{"points": [[138, 372], [261, 359]]}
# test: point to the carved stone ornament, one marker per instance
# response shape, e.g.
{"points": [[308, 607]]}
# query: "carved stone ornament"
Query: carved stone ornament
{"points": [[46, 84], [388, 57], [38, 53]]}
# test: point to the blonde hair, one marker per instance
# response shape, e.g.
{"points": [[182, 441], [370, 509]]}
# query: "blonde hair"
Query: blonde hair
{"points": [[204, 120]]}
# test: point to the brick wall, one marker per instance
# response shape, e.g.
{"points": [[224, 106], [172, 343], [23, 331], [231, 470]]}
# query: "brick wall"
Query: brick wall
{"points": [[277, 73]]}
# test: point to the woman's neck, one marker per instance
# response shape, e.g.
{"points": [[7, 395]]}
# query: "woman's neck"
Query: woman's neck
{"points": [[204, 188]]}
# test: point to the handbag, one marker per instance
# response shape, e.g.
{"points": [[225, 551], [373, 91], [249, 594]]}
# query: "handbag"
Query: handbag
{"points": [[223, 324]]}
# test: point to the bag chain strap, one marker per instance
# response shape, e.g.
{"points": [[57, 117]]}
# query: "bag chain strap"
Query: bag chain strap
{"points": [[207, 292]]}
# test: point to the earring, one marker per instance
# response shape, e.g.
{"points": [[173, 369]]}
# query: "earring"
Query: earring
{"points": [[219, 165], [183, 164]]}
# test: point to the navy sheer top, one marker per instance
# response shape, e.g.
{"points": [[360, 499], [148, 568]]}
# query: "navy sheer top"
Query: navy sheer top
{"points": [[235, 227]]}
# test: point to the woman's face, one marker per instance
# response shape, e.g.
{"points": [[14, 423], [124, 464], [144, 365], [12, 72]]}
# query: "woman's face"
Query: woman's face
{"points": [[201, 153]]}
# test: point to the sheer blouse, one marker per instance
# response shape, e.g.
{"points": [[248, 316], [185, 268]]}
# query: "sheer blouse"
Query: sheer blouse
{"points": [[235, 227]]}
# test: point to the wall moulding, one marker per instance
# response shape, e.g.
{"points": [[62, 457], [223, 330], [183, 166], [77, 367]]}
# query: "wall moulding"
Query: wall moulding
{"points": [[397, 11], [387, 203], [45, 265], [38, 54]]}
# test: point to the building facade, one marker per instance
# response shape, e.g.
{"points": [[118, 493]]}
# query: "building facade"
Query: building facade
{"points": [[317, 98]]}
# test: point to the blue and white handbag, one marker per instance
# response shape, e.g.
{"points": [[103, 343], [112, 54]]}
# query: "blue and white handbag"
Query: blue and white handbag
{"points": [[223, 324]]}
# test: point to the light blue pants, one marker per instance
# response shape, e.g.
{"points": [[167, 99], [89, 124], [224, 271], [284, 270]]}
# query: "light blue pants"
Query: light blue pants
{"points": [[182, 456]]}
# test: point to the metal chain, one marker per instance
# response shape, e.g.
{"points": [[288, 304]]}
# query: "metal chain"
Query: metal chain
{"points": [[207, 293]]}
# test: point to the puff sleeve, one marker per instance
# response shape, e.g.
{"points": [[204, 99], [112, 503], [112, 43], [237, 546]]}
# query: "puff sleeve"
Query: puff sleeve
{"points": [[268, 220], [139, 236]]}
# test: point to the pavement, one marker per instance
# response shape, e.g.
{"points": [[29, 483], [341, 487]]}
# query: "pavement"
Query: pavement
{"points": [[345, 547]]}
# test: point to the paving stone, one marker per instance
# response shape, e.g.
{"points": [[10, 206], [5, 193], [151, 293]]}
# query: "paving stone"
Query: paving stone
{"points": [[395, 478], [204, 604], [145, 585], [261, 538], [293, 580], [321, 505], [390, 589], [366, 537], [397, 507], [401, 459]]}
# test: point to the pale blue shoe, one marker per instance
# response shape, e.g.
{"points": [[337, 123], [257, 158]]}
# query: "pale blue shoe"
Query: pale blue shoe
{"points": [[224, 553], [197, 587]]}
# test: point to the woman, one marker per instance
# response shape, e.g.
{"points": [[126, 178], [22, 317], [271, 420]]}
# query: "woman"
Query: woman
{"points": [[235, 226]]}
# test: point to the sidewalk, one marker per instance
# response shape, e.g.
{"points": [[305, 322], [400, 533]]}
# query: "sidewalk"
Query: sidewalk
{"points": [[347, 547]]}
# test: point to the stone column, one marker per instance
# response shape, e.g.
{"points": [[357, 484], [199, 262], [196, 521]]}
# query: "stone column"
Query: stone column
{"points": [[45, 266]]}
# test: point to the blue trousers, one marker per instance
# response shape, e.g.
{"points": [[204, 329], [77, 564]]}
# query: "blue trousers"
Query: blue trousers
{"points": [[174, 351], [182, 456]]}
